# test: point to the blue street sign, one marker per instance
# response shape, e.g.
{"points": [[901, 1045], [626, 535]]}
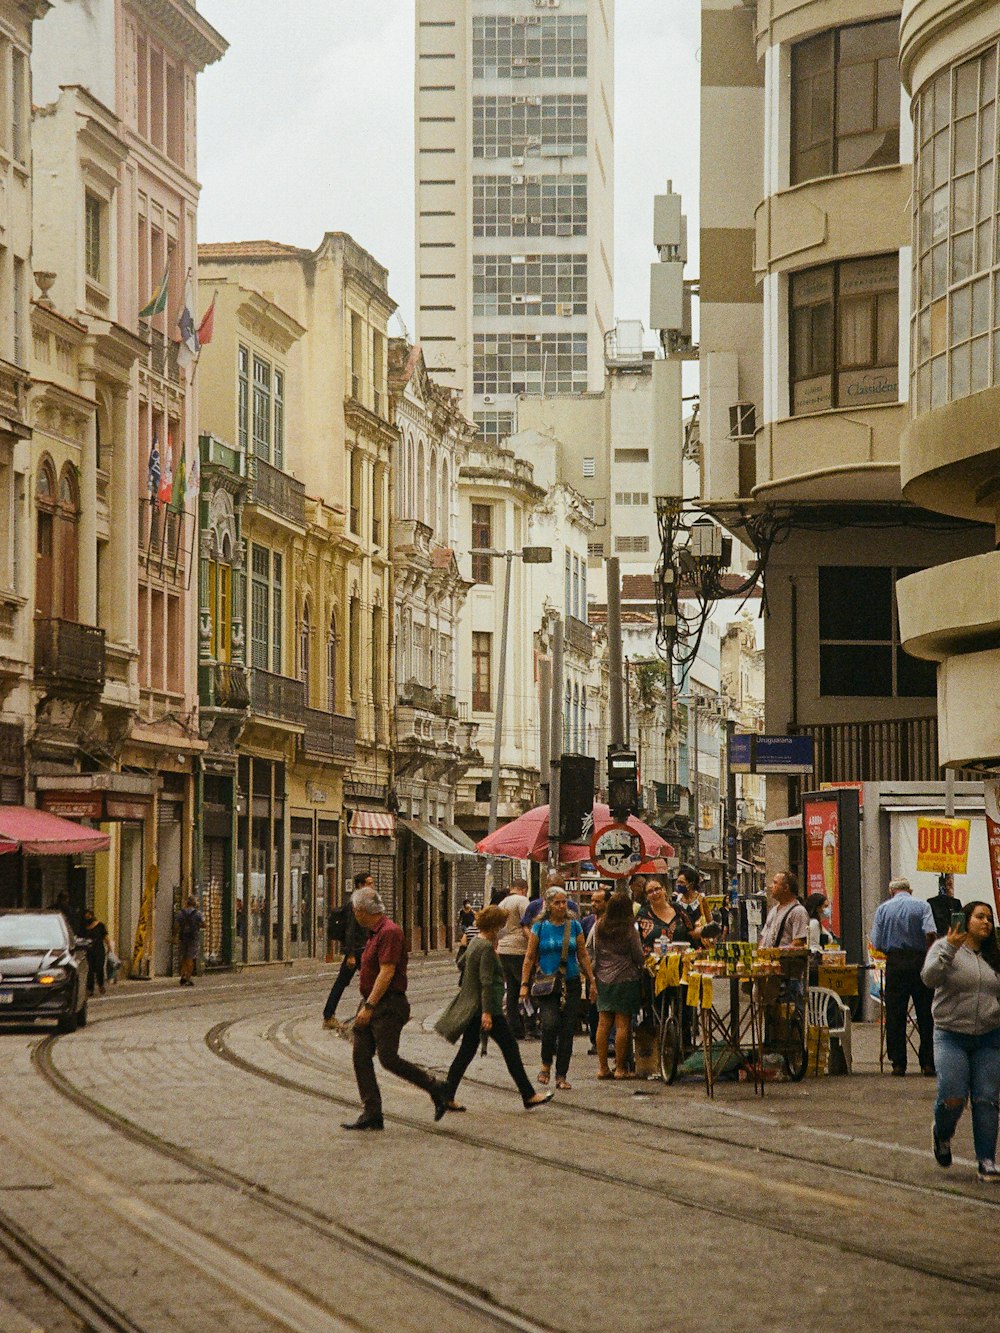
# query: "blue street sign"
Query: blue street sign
{"points": [[751, 753]]}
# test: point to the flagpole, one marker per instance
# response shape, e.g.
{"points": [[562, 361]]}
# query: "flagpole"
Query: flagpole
{"points": [[197, 360]]}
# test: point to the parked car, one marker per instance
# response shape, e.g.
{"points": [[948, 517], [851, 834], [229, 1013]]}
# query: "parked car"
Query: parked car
{"points": [[43, 969]]}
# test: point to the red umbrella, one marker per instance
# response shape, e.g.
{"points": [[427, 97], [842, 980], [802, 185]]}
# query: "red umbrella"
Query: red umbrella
{"points": [[527, 837]]}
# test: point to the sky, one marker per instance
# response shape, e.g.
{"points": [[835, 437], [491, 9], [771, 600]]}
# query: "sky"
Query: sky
{"points": [[306, 126]]}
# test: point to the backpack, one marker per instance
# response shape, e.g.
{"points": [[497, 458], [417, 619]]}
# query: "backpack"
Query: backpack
{"points": [[337, 923]]}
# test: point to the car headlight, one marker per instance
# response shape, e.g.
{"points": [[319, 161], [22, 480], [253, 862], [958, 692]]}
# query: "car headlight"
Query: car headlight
{"points": [[51, 975]]}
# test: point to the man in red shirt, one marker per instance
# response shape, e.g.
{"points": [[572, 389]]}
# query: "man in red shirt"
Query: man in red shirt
{"points": [[383, 1014]]}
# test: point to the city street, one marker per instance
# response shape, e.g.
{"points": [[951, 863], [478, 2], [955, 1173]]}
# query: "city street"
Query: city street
{"points": [[179, 1165]]}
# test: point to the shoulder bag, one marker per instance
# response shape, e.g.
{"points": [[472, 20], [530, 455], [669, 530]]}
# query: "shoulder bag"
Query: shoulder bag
{"points": [[551, 983]]}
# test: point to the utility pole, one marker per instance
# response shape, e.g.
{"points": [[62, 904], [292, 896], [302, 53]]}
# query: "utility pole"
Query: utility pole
{"points": [[697, 803], [501, 678], [544, 725], [555, 747], [616, 708]]}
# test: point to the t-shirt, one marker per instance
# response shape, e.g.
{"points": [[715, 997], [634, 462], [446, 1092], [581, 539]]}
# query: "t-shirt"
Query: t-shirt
{"points": [[651, 928], [550, 943], [386, 944], [786, 923], [512, 939]]}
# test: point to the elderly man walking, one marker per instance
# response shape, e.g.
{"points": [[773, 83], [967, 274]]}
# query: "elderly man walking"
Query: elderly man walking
{"points": [[383, 1014], [904, 930]]}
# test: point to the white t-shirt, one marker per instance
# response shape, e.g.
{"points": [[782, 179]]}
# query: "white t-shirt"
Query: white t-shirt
{"points": [[512, 939], [785, 923]]}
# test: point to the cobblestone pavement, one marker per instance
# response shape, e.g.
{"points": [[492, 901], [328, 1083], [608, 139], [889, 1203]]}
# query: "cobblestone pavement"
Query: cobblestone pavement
{"points": [[183, 1154]]}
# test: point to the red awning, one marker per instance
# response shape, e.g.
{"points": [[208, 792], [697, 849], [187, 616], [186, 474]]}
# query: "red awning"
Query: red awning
{"points": [[369, 824], [41, 834], [7, 846]]}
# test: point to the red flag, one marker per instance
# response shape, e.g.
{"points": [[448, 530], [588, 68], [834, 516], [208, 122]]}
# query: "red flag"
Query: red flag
{"points": [[207, 326], [166, 491]]}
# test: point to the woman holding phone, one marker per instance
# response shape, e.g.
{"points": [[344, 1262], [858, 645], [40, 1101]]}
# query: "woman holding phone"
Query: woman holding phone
{"points": [[964, 971]]}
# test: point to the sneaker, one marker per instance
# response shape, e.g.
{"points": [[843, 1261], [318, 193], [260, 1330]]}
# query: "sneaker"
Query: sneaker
{"points": [[332, 1024], [989, 1172], [942, 1149]]}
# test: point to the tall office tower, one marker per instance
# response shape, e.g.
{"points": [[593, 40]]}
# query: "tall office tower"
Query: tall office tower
{"points": [[514, 182]]}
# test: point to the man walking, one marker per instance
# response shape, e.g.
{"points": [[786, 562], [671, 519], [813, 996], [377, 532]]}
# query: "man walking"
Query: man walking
{"points": [[383, 1014], [512, 945], [903, 930], [353, 938], [189, 924]]}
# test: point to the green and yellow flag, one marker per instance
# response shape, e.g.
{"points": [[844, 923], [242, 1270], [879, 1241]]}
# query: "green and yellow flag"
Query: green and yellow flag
{"points": [[157, 303]]}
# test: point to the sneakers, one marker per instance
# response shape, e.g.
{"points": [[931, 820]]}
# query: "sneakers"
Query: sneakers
{"points": [[942, 1149], [989, 1172]]}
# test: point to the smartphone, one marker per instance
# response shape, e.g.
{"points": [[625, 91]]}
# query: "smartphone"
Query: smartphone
{"points": [[958, 920]]}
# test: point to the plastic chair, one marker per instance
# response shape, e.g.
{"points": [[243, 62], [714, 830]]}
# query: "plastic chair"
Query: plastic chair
{"points": [[827, 1010]]}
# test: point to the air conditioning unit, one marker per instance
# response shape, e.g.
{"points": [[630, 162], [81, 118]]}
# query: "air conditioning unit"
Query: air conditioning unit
{"points": [[488, 398], [534, 101], [519, 62], [517, 161], [518, 218], [742, 421], [564, 310], [517, 180]]}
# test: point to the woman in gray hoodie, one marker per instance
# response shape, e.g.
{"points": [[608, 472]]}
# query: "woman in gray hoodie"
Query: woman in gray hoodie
{"points": [[964, 971]]}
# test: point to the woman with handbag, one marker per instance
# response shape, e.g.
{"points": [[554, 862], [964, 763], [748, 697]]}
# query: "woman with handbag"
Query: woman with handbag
{"points": [[477, 1009], [557, 945], [618, 966]]}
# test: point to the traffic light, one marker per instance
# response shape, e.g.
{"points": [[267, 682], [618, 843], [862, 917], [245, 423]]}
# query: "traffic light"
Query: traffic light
{"points": [[623, 783], [576, 796]]}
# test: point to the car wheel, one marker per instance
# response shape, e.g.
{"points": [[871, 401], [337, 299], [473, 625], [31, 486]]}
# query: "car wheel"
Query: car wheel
{"points": [[68, 1022], [81, 1017]]}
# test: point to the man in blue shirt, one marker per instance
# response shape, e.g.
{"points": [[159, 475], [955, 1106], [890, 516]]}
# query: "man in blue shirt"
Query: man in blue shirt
{"points": [[904, 930]]}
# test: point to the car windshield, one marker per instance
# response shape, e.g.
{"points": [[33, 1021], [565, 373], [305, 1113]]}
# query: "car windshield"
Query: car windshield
{"points": [[33, 932]]}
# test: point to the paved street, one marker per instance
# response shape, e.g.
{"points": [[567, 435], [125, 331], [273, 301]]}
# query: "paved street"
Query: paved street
{"points": [[181, 1159]]}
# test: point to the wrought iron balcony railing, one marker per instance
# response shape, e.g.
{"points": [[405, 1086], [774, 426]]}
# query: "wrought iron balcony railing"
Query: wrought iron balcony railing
{"points": [[579, 635], [280, 697], [344, 736], [275, 490], [70, 653], [228, 685]]}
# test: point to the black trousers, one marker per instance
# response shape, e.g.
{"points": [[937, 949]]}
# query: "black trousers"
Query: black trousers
{"points": [[380, 1036], [343, 980], [513, 965], [558, 1026], [505, 1039], [902, 983]]}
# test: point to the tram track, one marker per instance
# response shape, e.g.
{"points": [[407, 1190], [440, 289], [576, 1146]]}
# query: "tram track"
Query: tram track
{"points": [[844, 1243], [472, 1301]]}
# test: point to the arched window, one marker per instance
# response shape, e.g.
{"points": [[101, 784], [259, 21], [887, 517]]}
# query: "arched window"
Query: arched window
{"points": [[45, 509], [432, 493], [304, 633], [331, 664], [421, 510], [577, 745], [444, 506], [378, 658], [411, 468]]}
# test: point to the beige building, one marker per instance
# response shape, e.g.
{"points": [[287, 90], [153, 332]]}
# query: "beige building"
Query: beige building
{"points": [[338, 436], [514, 198], [949, 455], [806, 275]]}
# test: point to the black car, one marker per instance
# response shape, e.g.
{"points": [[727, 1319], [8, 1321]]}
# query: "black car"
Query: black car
{"points": [[43, 970]]}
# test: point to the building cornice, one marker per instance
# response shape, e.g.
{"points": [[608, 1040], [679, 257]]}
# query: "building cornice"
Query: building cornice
{"points": [[186, 29]]}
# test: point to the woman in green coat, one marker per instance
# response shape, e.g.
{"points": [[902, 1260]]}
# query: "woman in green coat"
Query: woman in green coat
{"points": [[478, 1009]]}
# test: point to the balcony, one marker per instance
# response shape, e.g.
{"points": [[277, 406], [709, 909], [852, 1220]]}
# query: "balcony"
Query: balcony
{"points": [[279, 697], [276, 491], [449, 706], [318, 737], [69, 654], [161, 357], [227, 685], [899, 750], [579, 636], [344, 736], [419, 696]]}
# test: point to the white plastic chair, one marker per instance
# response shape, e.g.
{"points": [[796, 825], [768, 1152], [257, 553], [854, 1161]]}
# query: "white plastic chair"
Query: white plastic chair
{"points": [[827, 1010]]}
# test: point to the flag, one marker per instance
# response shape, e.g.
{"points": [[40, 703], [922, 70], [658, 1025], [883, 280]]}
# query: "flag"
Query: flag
{"points": [[157, 303], [194, 474], [180, 491], [153, 475], [207, 326], [166, 491], [188, 349]]}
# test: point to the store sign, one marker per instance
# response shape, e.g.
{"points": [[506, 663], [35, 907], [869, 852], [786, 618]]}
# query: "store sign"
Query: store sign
{"points": [[821, 826], [991, 798], [74, 804], [943, 845], [616, 850]]}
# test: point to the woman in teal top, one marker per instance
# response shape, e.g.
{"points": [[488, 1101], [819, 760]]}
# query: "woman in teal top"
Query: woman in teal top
{"points": [[478, 1009], [548, 937]]}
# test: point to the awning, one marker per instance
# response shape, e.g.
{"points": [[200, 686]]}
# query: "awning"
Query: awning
{"points": [[790, 824], [437, 838], [7, 846], [41, 834], [460, 836], [371, 824]]}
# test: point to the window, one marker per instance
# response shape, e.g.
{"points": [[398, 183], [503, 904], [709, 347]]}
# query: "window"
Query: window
{"points": [[576, 608], [262, 409], [356, 470], [305, 633], [93, 237], [845, 100], [542, 205], [354, 650], [331, 664], [529, 363], [376, 507], [546, 46], [859, 649], [482, 540], [20, 304], [378, 658], [632, 545], [378, 370], [505, 126], [243, 405], [844, 322], [631, 455], [640, 498], [590, 467], [595, 550], [482, 671], [57, 518], [20, 110], [357, 356], [266, 612], [956, 279], [279, 419], [568, 583], [494, 427], [529, 285]]}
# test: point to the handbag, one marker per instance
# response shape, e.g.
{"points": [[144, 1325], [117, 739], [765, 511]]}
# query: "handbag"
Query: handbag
{"points": [[550, 983]]}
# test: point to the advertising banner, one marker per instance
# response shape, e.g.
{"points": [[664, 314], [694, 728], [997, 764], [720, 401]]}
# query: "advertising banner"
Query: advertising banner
{"points": [[943, 845], [991, 796], [821, 826]]}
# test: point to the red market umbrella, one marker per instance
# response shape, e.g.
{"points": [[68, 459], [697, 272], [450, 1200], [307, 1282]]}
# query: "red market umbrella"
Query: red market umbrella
{"points": [[527, 837], [7, 846], [41, 834]]}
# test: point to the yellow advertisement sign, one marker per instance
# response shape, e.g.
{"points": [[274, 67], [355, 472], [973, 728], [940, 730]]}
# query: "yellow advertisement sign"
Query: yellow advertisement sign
{"points": [[943, 845]]}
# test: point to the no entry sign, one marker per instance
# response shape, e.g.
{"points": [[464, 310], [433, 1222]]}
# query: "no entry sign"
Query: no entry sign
{"points": [[616, 850], [943, 845]]}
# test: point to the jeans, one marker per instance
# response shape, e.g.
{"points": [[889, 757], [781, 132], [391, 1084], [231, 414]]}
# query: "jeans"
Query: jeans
{"points": [[504, 1038], [380, 1036], [968, 1064], [902, 983], [558, 1026], [343, 980], [512, 964]]}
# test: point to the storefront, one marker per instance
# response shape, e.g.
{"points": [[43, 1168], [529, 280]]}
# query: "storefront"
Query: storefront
{"points": [[371, 849], [428, 855], [260, 860], [40, 856]]}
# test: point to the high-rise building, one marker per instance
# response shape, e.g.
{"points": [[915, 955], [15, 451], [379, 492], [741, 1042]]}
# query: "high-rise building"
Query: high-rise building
{"points": [[514, 198]]}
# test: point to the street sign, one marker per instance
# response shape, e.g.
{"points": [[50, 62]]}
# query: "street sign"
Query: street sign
{"points": [[752, 753], [616, 850]]}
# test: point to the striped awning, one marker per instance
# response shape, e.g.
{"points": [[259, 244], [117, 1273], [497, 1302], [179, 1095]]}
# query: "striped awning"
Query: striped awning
{"points": [[372, 824]]}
